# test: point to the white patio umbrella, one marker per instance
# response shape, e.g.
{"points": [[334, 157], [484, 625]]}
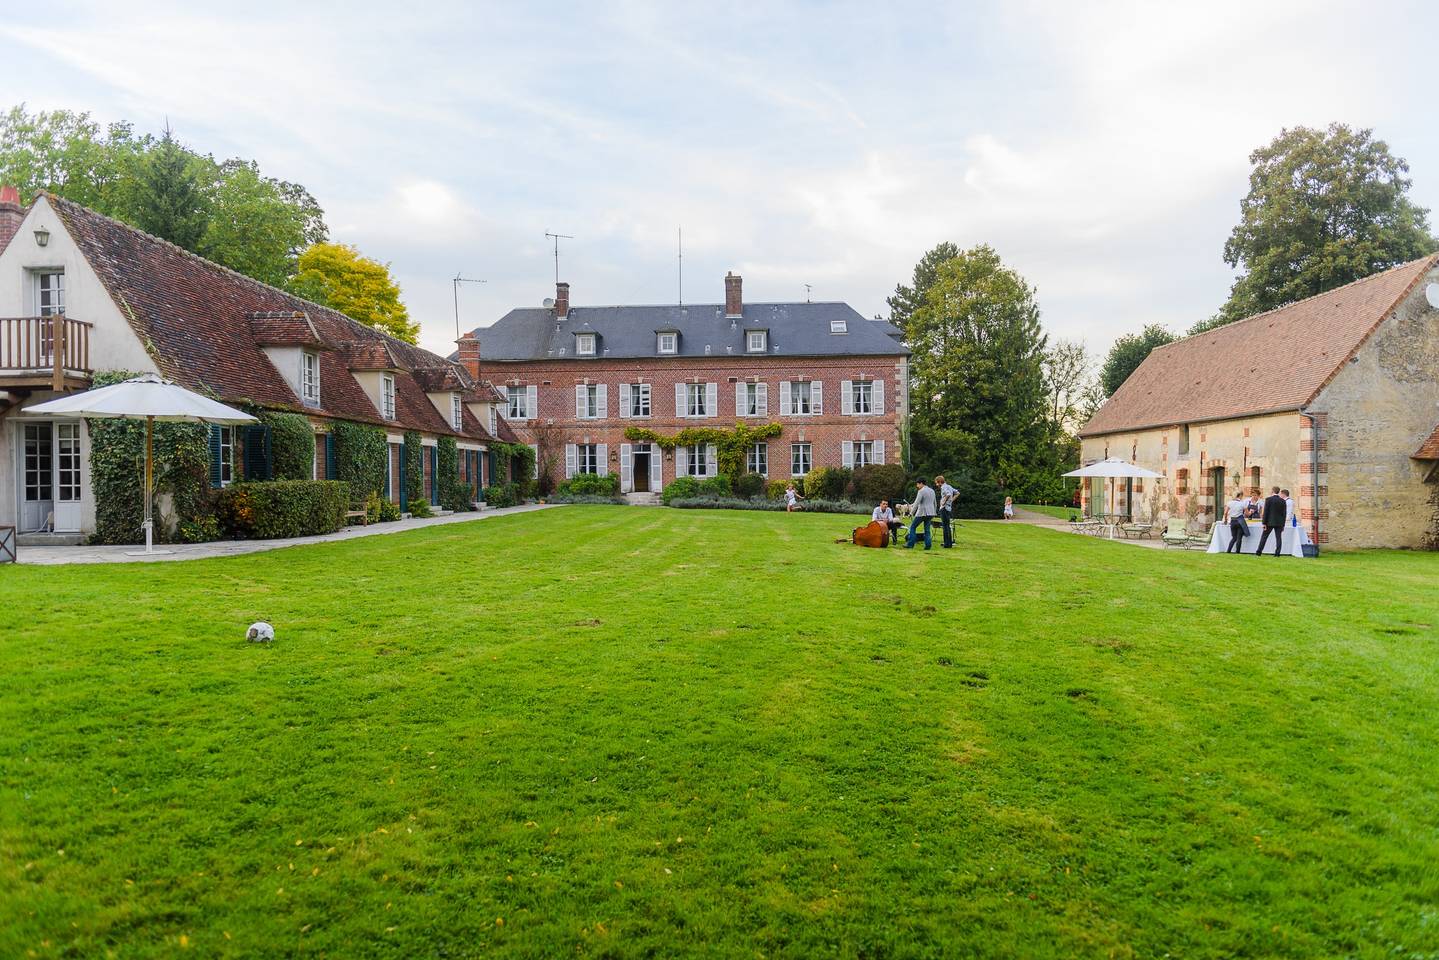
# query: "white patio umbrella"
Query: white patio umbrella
{"points": [[1112, 469], [149, 398]]}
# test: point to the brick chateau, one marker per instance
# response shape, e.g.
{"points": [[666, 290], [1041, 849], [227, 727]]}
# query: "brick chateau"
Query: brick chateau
{"points": [[835, 382]]}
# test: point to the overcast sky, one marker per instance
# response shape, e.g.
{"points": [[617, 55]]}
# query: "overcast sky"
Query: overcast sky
{"points": [[1100, 148]]}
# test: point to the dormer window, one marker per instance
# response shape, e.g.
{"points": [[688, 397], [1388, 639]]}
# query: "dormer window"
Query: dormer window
{"points": [[585, 344], [838, 326], [457, 412], [669, 342], [310, 378], [754, 341], [387, 396]]}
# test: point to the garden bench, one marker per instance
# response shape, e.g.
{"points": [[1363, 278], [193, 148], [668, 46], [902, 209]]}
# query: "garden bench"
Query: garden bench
{"points": [[362, 515]]}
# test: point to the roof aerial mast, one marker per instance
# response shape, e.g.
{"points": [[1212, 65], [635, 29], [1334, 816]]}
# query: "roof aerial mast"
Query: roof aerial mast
{"points": [[557, 237]]}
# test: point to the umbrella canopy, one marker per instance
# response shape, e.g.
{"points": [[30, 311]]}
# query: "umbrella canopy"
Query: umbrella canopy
{"points": [[1115, 468], [146, 397], [149, 398]]}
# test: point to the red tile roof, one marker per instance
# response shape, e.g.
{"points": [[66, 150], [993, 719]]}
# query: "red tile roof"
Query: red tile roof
{"points": [[204, 326], [1273, 361], [1430, 448]]}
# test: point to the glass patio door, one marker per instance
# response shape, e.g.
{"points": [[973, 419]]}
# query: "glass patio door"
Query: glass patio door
{"points": [[50, 482]]}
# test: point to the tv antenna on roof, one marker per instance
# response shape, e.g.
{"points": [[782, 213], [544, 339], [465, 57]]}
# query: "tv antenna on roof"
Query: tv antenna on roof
{"points": [[557, 237], [680, 234], [806, 293], [455, 284]]}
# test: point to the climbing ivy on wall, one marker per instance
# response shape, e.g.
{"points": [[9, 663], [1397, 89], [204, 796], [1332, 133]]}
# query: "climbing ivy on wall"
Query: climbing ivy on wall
{"points": [[117, 473], [292, 445], [453, 492], [507, 453], [730, 445], [360, 458], [414, 467]]}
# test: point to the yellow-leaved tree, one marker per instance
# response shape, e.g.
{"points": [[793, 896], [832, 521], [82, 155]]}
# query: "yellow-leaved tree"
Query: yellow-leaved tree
{"points": [[336, 275]]}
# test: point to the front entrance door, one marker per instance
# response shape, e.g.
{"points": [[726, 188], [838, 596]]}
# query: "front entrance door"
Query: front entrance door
{"points": [[641, 474], [50, 476], [1217, 480]]}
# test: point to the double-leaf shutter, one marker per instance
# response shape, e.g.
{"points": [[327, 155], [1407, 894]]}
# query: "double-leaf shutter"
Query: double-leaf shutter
{"points": [[257, 452], [330, 471], [571, 460], [624, 402]]}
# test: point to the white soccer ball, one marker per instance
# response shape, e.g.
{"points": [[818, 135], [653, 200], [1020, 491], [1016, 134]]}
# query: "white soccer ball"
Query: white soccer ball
{"points": [[260, 632]]}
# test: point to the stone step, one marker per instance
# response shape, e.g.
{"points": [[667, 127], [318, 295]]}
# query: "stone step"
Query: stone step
{"points": [[50, 539], [644, 499]]}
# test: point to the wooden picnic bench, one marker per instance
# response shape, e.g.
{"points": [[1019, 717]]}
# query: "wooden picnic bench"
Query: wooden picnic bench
{"points": [[362, 515]]}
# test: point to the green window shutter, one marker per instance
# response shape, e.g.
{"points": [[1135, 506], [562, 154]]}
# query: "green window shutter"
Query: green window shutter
{"points": [[435, 475], [215, 475], [257, 452], [330, 472], [404, 475]]}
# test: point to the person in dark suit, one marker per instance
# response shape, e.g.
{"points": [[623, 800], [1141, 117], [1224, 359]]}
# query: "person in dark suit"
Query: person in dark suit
{"points": [[1275, 513]]}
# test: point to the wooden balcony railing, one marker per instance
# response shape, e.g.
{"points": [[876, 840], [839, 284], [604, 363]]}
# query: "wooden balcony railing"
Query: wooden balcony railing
{"points": [[34, 349]]}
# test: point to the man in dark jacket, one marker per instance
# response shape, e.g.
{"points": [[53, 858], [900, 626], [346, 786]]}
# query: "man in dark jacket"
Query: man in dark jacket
{"points": [[1275, 512]]}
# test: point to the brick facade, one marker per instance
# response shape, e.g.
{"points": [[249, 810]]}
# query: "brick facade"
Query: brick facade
{"points": [[826, 431]]}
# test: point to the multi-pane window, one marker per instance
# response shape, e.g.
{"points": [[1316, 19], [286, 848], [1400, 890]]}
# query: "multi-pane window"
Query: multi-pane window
{"points": [[67, 455], [863, 453], [668, 342], [862, 396], [755, 341], [457, 411], [589, 401], [494, 422], [39, 462], [1184, 440], [838, 326], [639, 400], [695, 397], [585, 344], [695, 463], [519, 403], [753, 401], [757, 459], [801, 397], [310, 378], [387, 396], [799, 459], [50, 292], [227, 455], [587, 458]]}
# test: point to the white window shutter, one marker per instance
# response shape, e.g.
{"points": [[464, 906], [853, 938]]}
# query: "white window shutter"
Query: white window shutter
{"points": [[878, 449], [762, 399], [579, 401], [680, 410], [571, 457], [656, 468], [846, 397], [847, 455], [602, 458], [627, 474], [786, 402], [535, 470], [711, 468], [532, 400], [711, 399], [682, 461], [876, 402], [603, 403], [741, 405], [816, 397], [624, 400]]}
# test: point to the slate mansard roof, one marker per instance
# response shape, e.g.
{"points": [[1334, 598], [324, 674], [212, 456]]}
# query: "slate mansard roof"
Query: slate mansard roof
{"points": [[1266, 363], [629, 332], [205, 326]]}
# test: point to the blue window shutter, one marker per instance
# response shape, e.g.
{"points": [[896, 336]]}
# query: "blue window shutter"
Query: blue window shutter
{"points": [[215, 475], [257, 453], [330, 472], [434, 475]]}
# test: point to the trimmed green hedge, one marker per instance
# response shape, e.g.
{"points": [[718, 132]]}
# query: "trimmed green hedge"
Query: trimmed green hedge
{"points": [[590, 484], [502, 495], [731, 503], [454, 492], [279, 509], [680, 488]]}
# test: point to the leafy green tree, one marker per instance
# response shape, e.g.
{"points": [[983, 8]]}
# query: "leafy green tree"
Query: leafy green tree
{"points": [[337, 276], [68, 154], [257, 225], [978, 364], [907, 299], [1128, 353], [170, 200], [1325, 207]]}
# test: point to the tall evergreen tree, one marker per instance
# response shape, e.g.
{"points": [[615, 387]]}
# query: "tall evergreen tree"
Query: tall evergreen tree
{"points": [[1325, 207], [907, 299], [1127, 353], [170, 198]]}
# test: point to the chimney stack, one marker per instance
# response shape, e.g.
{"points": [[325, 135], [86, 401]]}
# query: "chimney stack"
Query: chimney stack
{"points": [[11, 213], [562, 300], [733, 299], [469, 355]]}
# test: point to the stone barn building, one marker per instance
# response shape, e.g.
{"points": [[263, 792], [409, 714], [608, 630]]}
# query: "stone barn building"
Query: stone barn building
{"points": [[1335, 398]]}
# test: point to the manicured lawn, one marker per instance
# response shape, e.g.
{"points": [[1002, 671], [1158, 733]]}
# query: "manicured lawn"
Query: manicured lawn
{"points": [[1063, 513], [623, 732]]}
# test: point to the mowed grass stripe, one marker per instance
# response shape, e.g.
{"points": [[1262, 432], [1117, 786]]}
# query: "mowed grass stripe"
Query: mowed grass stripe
{"points": [[628, 732]]}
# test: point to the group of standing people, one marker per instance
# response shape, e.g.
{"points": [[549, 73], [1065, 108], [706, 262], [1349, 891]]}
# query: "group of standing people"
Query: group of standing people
{"points": [[1275, 513], [926, 507]]}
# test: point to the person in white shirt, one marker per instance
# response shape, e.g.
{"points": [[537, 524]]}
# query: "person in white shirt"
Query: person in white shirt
{"points": [[791, 499], [1289, 518], [947, 494], [1238, 528], [885, 515]]}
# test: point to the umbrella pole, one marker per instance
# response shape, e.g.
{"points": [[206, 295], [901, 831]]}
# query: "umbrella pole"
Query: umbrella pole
{"points": [[149, 483]]}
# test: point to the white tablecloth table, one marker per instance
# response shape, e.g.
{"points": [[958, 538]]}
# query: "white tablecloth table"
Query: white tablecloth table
{"points": [[1294, 540]]}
